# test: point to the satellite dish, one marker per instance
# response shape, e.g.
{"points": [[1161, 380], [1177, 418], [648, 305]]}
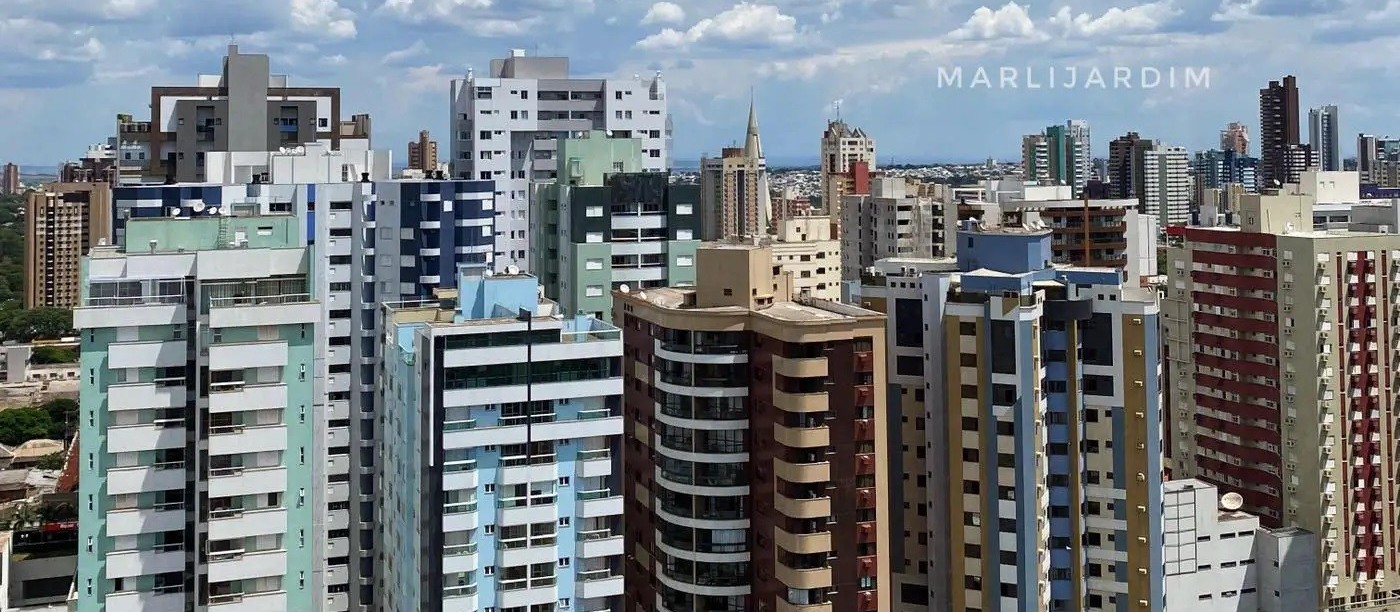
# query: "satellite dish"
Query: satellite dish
{"points": [[624, 288], [301, 150], [1232, 501], [512, 269], [221, 211], [488, 274], [174, 212], [1288, 228], [198, 206]]}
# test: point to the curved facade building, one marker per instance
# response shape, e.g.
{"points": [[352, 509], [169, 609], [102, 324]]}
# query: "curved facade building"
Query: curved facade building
{"points": [[755, 451]]}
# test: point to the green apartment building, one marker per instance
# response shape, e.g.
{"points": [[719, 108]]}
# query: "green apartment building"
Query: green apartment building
{"points": [[199, 452], [605, 224]]}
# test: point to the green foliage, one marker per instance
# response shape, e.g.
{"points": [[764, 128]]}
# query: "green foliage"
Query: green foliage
{"points": [[50, 462], [44, 355], [49, 420], [26, 325]]}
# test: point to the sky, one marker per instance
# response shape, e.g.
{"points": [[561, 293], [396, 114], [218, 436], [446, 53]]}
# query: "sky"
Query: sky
{"points": [[68, 66]]}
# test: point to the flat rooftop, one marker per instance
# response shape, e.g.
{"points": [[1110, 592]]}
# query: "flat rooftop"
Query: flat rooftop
{"points": [[800, 310]]}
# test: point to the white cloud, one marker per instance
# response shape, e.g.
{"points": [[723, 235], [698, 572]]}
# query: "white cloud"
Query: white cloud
{"points": [[1009, 21], [127, 9], [399, 55], [664, 12], [324, 17], [419, 10], [1142, 18], [745, 23]]}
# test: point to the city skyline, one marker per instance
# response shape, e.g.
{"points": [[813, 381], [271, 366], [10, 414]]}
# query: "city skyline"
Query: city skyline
{"points": [[396, 58]]}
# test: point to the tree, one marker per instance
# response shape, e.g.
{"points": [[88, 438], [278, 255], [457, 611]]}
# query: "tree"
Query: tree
{"points": [[62, 412], [20, 425], [45, 355], [37, 323], [50, 462]]}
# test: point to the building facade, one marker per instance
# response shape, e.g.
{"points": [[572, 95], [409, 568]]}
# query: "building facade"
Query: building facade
{"points": [[1060, 155], [9, 180], [842, 145], [1277, 352], [1053, 440], [606, 223], [1278, 128], [62, 221], [1324, 137], [1235, 138], [1166, 195], [501, 464], [1220, 560], [245, 108], [892, 221], [757, 426], [423, 153], [506, 128], [734, 196], [201, 463], [1126, 177], [803, 246]]}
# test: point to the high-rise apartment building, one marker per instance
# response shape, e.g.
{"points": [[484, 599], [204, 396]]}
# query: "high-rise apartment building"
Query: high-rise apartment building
{"points": [[1378, 160], [374, 241], [61, 222], [9, 181], [506, 128], [1297, 160], [756, 445], [1053, 438], [1278, 361], [1060, 155], [1235, 138], [805, 248], [1325, 137], [841, 146], [1218, 558], [1125, 165], [605, 223], [245, 108], [1166, 194], [1278, 128], [423, 153], [893, 221], [501, 452], [203, 457], [1213, 168], [734, 195]]}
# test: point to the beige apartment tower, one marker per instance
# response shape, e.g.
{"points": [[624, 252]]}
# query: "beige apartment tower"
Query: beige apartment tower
{"points": [[734, 197], [1280, 365], [757, 445], [842, 146], [62, 221], [423, 153]]}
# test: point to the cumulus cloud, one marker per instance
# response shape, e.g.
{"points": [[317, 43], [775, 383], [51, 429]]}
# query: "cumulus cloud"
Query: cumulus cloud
{"points": [[1009, 21], [322, 17], [1138, 19], [664, 12], [397, 56], [745, 23]]}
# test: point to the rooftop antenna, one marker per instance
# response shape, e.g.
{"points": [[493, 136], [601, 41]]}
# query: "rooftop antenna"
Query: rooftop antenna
{"points": [[838, 110]]}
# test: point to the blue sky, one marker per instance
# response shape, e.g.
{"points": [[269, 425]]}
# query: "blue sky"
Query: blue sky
{"points": [[68, 66]]}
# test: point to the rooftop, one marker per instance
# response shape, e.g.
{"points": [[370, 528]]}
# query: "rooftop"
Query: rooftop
{"points": [[801, 309]]}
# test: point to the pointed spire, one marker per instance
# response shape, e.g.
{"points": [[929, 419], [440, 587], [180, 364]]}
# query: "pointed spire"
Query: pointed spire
{"points": [[752, 146]]}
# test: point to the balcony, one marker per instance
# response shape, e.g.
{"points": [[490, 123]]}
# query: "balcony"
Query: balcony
{"points": [[131, 563], [802, 437], [238, 439], [238, 565], [801, 402], [161, 600], [817, 507], [161, 477], [803, 578], [237, 397], [596, 462], [244, 355], [598, 583], [165, 517], [803, 543], [144, 396], [802, 472], [800, 367], [599, 543], [600, 503], [233, 523], [123, 355], [233, 482], [160, 435], [248, 602], [784, 606]]}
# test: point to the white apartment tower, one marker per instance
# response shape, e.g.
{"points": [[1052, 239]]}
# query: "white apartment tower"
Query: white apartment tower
{"points": [[506, 128], [1167, 185]]}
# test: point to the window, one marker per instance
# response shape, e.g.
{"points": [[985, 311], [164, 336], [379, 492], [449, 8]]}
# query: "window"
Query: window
{"points": [[684, 209], [969, 423], [593, 211], [593, 237], [593, 264], [967, 328], [593, 291], [684, 261], [685, 234]]}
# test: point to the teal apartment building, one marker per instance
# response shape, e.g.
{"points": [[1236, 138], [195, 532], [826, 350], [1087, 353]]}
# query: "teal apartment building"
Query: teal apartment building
{"points": [[199, 451]]}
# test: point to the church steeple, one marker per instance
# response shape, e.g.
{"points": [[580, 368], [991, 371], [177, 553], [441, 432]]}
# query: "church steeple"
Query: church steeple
{"points": [[752, 146]]}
